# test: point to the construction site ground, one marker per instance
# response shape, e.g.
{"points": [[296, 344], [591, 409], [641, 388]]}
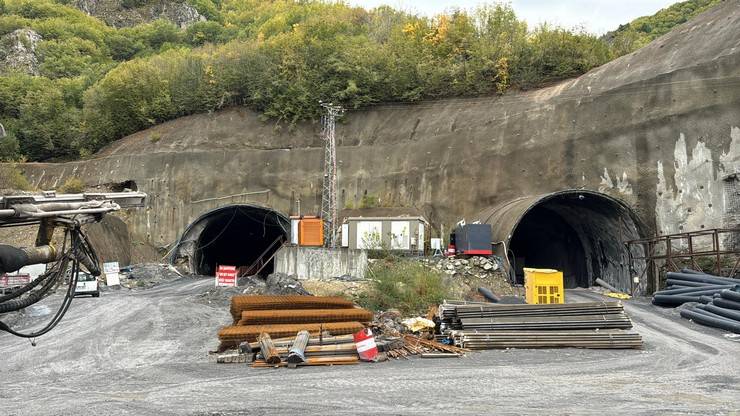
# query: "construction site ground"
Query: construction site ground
{"points": [[144, 352]]}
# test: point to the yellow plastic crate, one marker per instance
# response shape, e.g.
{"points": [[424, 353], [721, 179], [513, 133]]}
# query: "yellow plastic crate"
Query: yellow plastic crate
{"points": [[543, 286]]}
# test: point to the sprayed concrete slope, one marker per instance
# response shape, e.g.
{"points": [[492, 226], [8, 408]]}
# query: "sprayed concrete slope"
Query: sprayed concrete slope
{"points": [[658, 129]]}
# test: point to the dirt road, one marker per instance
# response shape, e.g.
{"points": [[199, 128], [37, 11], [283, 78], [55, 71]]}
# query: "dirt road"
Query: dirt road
{"points": [[144, 353]]}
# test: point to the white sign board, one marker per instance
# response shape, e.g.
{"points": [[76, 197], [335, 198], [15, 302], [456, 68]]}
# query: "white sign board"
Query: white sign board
{"points": [[226, 276], [420, 246], [111, 270], [436, 243]]}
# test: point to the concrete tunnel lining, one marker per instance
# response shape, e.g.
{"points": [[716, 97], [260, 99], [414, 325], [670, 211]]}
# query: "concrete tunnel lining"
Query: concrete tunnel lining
{"points": [[235, 235], [579, 232]]}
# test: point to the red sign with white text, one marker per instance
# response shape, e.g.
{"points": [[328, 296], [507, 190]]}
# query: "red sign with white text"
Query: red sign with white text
{"points": [[226, 276]]}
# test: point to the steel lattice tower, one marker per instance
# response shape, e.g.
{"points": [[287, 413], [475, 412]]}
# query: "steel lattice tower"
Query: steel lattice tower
{"points": [[329, 190]]}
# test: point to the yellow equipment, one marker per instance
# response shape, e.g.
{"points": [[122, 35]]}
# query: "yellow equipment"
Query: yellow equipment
{"points": [[543, 286]]}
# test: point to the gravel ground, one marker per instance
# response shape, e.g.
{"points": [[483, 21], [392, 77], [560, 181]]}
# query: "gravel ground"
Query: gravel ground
{"points": [[143, 352]]}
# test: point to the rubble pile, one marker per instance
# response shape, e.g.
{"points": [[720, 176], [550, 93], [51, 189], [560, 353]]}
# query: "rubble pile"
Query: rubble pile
{"points": [[477, 266], [147, 275], [465, 275], [275, 284]]}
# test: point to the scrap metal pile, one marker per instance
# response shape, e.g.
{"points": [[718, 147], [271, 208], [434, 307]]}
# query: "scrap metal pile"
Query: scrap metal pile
{"points": [[717, 298], [581, 325], [285, 316], [293, 330]]}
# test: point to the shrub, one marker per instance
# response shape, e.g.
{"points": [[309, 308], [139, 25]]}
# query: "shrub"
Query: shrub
{"points": [[12, 178], [72, 185], [406, 285]]}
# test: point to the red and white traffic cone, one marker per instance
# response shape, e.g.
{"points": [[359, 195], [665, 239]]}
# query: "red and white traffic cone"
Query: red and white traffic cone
{"points": [[365, 343]]}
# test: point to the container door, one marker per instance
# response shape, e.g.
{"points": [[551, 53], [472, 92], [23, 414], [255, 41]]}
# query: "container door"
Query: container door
{"points": [[345, 235], [294, 231]]}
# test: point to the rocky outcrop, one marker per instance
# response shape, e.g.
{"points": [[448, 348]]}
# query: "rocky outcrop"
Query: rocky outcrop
{"points": [[18, 52], [121, 13]]}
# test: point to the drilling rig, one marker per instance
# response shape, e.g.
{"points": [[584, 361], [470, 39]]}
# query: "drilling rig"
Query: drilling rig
{"points": [[49, 212]]}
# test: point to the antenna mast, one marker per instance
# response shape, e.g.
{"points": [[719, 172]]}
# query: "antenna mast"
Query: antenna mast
{"points": [[329, 191]]}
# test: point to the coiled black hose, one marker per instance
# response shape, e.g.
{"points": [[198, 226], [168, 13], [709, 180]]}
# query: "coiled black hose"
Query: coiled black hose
{"points": [[79, 247]]}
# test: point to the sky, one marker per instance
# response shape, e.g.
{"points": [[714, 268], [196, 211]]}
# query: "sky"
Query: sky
{"points": [[596, 16]]}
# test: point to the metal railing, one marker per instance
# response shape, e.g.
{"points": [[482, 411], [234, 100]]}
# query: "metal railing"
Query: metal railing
{"points": [[717, 248]]}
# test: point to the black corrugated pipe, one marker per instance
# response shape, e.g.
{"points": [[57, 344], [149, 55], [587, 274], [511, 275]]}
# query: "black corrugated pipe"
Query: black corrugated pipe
{"points": [[705, 278], [727, 313], [701, 290], [673, 300], [704, 319], [677, 282], [730, 295], [486, 293], [706, 299], [726, 303], [691, 271]]}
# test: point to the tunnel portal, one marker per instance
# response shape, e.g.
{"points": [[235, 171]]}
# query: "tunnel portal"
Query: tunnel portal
{"points": [[245, 236], [579, 232]]}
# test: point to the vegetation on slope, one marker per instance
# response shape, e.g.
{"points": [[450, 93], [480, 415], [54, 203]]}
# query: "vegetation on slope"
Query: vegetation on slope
{"points": [[641, 31], [98, 83]]}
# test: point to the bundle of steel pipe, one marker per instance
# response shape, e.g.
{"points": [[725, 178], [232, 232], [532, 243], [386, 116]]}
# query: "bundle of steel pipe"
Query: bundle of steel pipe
{"points": [[243, 303], [692, 286], [608, 321], [721, 311], [453, 316], [304, 316], [547, 339]]}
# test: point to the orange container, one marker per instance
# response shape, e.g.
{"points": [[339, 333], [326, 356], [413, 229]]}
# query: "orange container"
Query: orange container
{"points": [[311, 232]]}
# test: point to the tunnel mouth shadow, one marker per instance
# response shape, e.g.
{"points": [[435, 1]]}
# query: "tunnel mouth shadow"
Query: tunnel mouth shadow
{"points": [[579, 232], [246, 236]]}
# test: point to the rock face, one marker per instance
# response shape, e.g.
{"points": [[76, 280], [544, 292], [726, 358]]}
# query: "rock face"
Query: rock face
{"points": [[18, 52], [121, 13], [658, 129]]}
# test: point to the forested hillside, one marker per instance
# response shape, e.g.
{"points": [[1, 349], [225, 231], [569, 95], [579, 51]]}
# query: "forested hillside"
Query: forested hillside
{"points": [[643, 30], [71, 83]]}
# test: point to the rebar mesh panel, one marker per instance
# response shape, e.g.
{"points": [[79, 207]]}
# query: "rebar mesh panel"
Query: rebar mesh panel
{"points": [[241, 303], [249, 333], [305, 316]]}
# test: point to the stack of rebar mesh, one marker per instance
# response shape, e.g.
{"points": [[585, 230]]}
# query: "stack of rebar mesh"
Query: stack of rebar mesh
{"points": [[717, 298], [285, 316], [581, 325]]}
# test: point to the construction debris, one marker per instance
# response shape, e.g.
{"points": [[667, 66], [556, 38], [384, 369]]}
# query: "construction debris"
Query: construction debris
{"points": [[581, 325]]}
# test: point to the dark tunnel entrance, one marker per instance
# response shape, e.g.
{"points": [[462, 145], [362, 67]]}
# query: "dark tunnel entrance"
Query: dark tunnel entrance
{"points": [[579, 232], [245, 236], [545, 240]]}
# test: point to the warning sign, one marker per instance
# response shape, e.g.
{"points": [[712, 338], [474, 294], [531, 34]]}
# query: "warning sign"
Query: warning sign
{"points": [[226, 276]]}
